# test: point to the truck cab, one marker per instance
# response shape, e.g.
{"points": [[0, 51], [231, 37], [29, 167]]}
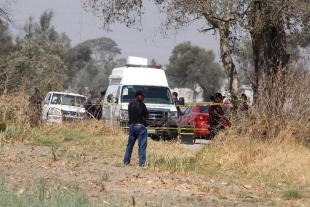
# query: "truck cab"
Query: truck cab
{"points": [[152, 80]]}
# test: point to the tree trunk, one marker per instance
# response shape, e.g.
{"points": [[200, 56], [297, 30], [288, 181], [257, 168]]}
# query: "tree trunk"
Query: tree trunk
{"points": [[228, 64], [230, 69], [270, 60]]}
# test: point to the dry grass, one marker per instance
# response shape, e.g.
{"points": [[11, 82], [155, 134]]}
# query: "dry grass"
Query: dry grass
{"points": [[268, 152], [96, 141]]}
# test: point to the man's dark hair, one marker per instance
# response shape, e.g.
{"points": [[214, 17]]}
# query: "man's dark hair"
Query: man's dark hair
{"points": [[175, 94], [139, 93], [102, 92], [92, 92], [216, 95]]}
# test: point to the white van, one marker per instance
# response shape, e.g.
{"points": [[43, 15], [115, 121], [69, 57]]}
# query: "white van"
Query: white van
{"points": [[137, 75]]}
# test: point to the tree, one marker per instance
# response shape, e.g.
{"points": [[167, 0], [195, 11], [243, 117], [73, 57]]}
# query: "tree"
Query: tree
{"points": [[267, 21], [103, 48], [179, 15], [65, 41], [37, 63], [191, 65], [44, 27], [5, 16], [243, 54], [90, 64], [5, 36]]}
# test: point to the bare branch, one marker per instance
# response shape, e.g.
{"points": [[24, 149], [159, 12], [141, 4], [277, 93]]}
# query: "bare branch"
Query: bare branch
{"points": [[6, 16], [208, 29]]}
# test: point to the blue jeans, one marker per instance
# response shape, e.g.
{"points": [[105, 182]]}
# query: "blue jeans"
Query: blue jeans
{"points": [[136, 131]]}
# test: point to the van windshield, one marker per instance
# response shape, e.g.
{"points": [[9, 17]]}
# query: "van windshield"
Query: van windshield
{"points": [[153, 94]]}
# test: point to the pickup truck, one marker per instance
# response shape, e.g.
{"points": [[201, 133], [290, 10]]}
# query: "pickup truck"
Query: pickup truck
{"points": [[62, 106]]}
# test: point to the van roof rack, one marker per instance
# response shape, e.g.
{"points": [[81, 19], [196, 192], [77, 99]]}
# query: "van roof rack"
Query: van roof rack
{"points": [[144, 66]]}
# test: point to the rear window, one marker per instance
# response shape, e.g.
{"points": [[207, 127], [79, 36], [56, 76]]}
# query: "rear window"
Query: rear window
{"points": [[204, 109]]}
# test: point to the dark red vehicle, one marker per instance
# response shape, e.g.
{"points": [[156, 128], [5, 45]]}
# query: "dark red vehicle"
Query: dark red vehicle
{"points": [[196, 115]]}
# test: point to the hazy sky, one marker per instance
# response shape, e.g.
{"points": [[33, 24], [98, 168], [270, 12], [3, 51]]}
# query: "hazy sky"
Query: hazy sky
{"points": [[80, 26]]}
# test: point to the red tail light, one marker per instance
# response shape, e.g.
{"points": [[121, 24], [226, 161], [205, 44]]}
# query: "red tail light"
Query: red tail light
{"points": [[200, 118]]}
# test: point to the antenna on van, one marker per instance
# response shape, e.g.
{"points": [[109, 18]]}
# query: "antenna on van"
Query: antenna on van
{"points": [[144, 66]]}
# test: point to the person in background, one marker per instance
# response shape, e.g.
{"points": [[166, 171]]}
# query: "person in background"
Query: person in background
{"points": [[90, 105], [177, 102], [137, 113], [216, 115], [245, 105], [98, 112], [102, 95]]}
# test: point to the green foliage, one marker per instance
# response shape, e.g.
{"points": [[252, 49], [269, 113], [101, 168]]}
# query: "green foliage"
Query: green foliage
{"points": [[179, 164], [103, 48], [10, 133], [47, 141], [44, 27], [90, 64], [291, 193], [36, 64], [191, 66], [44, 195], [5, 36], [105, 176], [243, 54]]}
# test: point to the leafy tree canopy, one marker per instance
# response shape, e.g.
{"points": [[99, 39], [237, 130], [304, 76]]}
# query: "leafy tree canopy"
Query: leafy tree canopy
{"points": [[103, 48], [90, 64], [191, 66], [36, 64]]}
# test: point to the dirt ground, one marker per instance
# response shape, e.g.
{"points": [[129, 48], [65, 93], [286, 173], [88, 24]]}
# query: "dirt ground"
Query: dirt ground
{"points": [[133, 186]]}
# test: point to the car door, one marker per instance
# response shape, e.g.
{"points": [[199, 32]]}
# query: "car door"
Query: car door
{"points": [[186, 116], [192, 115], [109, 107]]}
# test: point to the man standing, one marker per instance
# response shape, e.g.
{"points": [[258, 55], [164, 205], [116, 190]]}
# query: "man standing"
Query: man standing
{"points": [[244, 100], [98, 111], [137, 128], [216, 115], [177, 102], [90, 105]]}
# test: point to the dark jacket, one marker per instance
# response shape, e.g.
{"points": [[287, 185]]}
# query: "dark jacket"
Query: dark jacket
{"points": [[177, 102], [216, 115], [90, 105], [137, 112]]}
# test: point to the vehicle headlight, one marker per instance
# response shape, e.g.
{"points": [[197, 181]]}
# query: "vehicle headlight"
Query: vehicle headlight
{"points": [[174, 114], [55, 112], [123, 115]]}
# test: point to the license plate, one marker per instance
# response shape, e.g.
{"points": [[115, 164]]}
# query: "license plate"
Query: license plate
{"points": [[151, 131]]}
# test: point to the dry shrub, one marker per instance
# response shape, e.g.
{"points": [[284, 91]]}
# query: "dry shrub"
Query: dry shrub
{"points": [[269, 142], [14, 108], [280, 160], [94, 127]]}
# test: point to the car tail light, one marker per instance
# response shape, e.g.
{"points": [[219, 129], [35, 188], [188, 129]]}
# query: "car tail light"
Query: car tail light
{"points": [[200, 118]]}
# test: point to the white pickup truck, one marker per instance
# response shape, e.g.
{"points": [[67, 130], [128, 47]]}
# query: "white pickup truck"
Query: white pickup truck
{"points": [[62, 106]]}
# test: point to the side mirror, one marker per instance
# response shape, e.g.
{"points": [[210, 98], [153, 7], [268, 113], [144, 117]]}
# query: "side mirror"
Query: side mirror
{"points": [[181, 101], [115, 100], [46, 101], [110, 98]]}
